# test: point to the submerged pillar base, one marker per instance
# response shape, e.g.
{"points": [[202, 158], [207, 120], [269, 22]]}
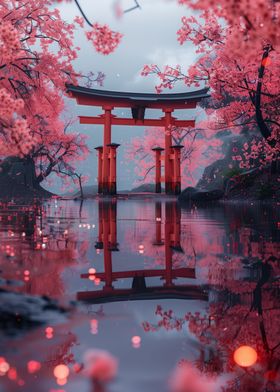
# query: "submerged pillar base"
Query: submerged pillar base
{"points": [[106, 188], [100, 188], [113, 188], [158, 187], [177, 188], [169, 188]]}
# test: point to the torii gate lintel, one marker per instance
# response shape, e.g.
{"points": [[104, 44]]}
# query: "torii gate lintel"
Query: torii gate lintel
{"points": [[138, 103]]}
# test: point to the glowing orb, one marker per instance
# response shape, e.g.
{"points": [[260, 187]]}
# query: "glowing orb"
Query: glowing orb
{"points": [[245, 356], [266, 61], [61, 372], [136, 340], [33, 366], [4, 367], [61, 381]]}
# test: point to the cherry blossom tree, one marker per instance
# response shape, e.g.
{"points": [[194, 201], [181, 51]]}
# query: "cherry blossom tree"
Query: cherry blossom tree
{"points": [[200, 148], [36, 62], [237, 48]]}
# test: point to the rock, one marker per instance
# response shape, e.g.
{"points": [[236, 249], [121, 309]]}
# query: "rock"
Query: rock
{"points": [[212, 195], [17, 180], [187, 193], [255, 184], [217, 174], [198, 195], [22, 312]]}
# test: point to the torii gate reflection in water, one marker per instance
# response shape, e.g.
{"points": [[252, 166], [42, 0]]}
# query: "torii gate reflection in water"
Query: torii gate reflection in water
{"points": [[170, 239], [138, 103]]}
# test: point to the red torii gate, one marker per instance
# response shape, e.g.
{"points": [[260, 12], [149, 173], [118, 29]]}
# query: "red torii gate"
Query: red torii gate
{"points": [[138, 103]]}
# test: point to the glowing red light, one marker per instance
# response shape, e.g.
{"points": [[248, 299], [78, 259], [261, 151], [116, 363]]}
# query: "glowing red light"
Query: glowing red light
{"points": [[4, 366], [245, 356], [94, 326], [270, 375], [61, 372], [61, 381], [49, 330], [136, 340], [12, 374], [266, 62], [33, 366], [77, 367]]}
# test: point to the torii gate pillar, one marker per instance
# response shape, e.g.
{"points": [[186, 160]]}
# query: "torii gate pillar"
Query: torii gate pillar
{"points": [[176, 188], [113, 168], [100, 167], [106, 149], [158, 151], [167, 157]]}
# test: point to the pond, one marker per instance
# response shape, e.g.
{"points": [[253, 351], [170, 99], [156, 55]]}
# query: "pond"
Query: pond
{"points": [[154, 284]]}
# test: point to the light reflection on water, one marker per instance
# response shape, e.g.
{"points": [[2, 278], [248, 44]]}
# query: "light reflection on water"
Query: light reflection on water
{"points": [[191, 284]]}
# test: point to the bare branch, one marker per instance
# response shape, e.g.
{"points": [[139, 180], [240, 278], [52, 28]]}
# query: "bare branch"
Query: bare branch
{"points": [[137, 5]]}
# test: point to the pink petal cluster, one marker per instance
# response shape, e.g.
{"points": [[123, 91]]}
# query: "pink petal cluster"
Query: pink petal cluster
{"points": [[232, 52], [18, 139], [9, 105], [9, 39], [201, 148], [100, 365], [103, 38]]}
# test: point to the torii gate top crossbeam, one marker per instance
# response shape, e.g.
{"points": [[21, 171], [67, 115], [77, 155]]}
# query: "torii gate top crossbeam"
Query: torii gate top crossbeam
{"points": [[94, 97]]}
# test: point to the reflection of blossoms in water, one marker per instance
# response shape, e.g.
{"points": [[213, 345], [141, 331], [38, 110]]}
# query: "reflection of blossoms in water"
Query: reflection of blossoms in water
{"points": [[235, 261], [167, 321], [186, 378], [156, 237], [242, 270], [100, 366]]}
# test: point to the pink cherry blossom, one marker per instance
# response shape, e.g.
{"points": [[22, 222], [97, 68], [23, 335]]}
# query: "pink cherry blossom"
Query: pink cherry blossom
{"points": [[103, 38]]}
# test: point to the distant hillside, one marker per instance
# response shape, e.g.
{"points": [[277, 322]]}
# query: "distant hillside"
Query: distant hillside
{"points": [[92, 190], [144, 188], [89, 190]]}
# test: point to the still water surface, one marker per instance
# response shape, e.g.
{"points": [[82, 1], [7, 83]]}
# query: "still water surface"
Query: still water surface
{"points": [[214, 271]]}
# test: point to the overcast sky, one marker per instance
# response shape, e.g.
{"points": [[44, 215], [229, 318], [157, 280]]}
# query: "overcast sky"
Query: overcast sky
{"points": [[149, 36]]}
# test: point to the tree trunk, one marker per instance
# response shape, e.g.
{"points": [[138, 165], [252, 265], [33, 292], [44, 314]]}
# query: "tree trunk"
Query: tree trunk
{"points": [[81, 187], [265, 131], [30, 178], [275, 166]]}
